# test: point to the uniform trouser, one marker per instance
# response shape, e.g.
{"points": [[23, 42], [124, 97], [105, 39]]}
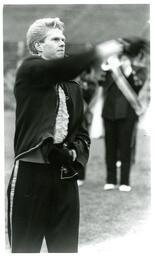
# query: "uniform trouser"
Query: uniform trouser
{"points": [[118, 141], [41, 205]]}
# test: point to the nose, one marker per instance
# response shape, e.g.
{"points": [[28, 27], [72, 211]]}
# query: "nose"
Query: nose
{"points": [[62, 43]]}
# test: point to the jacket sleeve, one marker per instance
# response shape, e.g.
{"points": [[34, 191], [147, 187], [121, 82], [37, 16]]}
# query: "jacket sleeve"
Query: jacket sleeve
{"points": [[82, 145], [45, 73]]}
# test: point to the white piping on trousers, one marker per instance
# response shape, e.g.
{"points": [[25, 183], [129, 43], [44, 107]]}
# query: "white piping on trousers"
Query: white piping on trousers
{"points": [[12, 192]]}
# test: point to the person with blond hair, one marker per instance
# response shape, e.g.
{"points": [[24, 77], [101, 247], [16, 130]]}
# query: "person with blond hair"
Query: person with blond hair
{"points": [[51, 142]]}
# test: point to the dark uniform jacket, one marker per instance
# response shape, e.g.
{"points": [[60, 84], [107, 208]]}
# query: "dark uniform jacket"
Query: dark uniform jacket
{"points": [[116, 106], [36, 93]]}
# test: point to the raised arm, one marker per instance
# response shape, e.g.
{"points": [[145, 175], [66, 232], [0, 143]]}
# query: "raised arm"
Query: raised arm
{"points": [[45, 73]]}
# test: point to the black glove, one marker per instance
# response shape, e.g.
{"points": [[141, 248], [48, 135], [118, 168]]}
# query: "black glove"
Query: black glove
{"points": [[60, 155]]}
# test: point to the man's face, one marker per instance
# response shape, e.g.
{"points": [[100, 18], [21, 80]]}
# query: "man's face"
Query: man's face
{"points": [[53, 46]]}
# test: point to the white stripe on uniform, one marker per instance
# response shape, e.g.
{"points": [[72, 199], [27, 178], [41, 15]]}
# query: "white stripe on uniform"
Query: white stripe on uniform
{"points": [[12, 192]]}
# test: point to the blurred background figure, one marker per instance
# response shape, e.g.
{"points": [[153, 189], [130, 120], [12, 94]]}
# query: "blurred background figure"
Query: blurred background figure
{"points": [[21, 52], [126, 97], [10, 68]]}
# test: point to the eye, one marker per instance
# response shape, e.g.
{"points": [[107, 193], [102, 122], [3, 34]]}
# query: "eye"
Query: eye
{"points": [[56, 39], [63, 39]]}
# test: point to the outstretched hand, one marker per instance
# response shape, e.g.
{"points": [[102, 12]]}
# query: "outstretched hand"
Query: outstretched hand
{"points": [[109, 48]]}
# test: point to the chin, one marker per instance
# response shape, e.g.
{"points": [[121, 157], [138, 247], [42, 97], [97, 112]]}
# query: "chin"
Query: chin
{"points": [[60, 55]]}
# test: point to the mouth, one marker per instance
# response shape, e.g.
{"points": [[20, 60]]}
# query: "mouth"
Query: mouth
{"points": [[61, 50]]}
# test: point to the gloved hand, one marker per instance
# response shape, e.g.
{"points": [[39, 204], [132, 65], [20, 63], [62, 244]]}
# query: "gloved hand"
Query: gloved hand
{"points": [[60, 155]]}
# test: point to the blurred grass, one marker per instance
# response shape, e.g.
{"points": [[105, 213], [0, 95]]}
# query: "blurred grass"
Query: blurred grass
{"points": [[108, 214], [105, 215]]}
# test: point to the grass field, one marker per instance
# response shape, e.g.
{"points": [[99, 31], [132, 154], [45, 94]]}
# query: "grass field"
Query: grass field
{"points": [[110, 220]]}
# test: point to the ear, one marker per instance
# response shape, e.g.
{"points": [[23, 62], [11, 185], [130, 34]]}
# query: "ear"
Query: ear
{"points": [[38, 46]]}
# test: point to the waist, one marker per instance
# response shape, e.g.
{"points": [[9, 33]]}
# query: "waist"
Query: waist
{"points": [[36, 155]]}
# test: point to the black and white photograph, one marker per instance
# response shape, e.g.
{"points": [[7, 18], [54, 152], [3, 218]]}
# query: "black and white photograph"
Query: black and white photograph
{"points": [[77, 134]]}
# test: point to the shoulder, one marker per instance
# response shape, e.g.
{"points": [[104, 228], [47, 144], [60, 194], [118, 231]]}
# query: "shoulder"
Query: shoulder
{"points": [[32, 60], [139, 69], [141, 72], [29, 61], [29, 64]]}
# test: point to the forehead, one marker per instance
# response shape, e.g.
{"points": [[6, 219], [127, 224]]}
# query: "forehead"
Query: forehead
{"points": [[54, 32]]}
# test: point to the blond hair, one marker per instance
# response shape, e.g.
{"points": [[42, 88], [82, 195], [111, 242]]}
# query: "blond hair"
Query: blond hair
{"points": [[38, 30]]}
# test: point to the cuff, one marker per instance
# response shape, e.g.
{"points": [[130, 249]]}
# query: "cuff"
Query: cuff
{"points": [[73, 154]]}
